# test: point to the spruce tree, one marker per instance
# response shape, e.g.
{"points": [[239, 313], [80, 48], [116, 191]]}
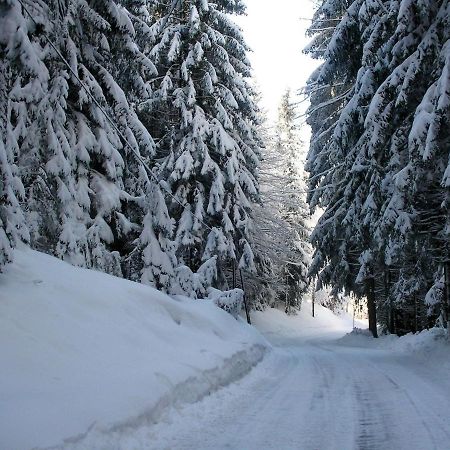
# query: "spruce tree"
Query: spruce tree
{"points": [[204, 119], [329, 161], [79, 148], [23, 81], [385, 157]]}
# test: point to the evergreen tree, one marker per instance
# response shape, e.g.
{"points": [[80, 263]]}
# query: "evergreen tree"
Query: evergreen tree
{"points": [[79, 149], [329, 161], [386, 158], [23, 80], [101, 41], [293, 208], [282, 247], [204, 120]]}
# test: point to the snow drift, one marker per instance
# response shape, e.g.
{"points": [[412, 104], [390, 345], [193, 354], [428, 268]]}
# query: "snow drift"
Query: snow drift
{"points": [[423, 343], [83, 351]]}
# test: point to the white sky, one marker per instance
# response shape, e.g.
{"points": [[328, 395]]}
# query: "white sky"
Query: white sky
{"points": [[276, 35]]}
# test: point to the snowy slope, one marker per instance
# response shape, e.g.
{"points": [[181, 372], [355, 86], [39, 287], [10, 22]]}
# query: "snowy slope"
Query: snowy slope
{"points": [[82, 350]]}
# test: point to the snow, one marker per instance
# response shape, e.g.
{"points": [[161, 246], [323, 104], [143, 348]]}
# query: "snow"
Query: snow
{"points": [[84, 351], [315, 392], [94, 362], [428, 343], [302, 327]]}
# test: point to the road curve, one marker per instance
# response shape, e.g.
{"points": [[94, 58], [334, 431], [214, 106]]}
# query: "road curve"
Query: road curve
{"points": [[318, 395]]}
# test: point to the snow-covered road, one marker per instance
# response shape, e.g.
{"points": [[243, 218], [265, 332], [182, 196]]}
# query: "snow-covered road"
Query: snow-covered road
{"points": [[82, 370], [313, 393]]}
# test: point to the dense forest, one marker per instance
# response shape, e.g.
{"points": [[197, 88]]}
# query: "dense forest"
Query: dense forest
{"points": [[131, 142], [379, 156]]}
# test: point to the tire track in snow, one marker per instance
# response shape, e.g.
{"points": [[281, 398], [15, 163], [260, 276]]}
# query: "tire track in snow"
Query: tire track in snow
{"points": [[389, 417], [373, 419], [427, 417]]}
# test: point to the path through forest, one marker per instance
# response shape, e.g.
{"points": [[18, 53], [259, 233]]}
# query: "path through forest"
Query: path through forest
{"points": [[315, 393]]}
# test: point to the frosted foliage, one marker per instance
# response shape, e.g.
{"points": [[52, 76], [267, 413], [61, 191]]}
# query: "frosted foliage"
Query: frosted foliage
{"points": [[216, 244], [12, 223], [281, 234], [97, 199], [435, 294], [247, 259], [206, 275], [194, 285], [229, 301], [84, 190], [185, 282], [365, 260], [205, 119], [159, 259], [17, 45], [378, 159], [72, 177], [158, 268], [5, 247]]}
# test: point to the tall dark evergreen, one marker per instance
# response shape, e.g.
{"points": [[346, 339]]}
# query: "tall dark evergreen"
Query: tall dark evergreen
{"points": [[204, 119], [380, 176], [23, 81], [330, 160]]}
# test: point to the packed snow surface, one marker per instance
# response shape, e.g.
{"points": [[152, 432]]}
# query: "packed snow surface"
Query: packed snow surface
{"points": [[119, 366], [320, 389], [83, 351]]}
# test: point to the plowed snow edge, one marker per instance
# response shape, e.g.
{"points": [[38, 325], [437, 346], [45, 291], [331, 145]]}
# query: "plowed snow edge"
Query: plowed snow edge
{"points": [[192, 390]]}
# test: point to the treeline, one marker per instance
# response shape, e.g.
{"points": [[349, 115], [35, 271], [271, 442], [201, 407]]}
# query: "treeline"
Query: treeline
{"points": [[282, 218], [379, 157], [128, 138], [130, 142]]}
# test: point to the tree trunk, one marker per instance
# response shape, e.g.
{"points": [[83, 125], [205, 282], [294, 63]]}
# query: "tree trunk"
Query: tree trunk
{"points": [[247, 309], [371, 308], [391, 325], [447, 293]]}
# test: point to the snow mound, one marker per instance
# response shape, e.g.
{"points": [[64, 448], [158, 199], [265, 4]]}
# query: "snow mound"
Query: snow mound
{"points": [[83, 352], [421, 342], [418, 342]]}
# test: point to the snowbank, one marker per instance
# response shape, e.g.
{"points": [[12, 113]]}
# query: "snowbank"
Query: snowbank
{"points": [[81, 350], [427, 341]]}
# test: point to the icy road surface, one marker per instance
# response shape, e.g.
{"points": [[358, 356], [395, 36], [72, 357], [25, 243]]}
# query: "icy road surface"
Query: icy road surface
{"points": [[313, 393]]}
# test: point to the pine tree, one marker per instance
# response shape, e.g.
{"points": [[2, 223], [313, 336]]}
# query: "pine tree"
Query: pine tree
{"points": [[385, 158], [204, 119], [329, 161], [80, 148], [12, 221], [23, 80]]}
